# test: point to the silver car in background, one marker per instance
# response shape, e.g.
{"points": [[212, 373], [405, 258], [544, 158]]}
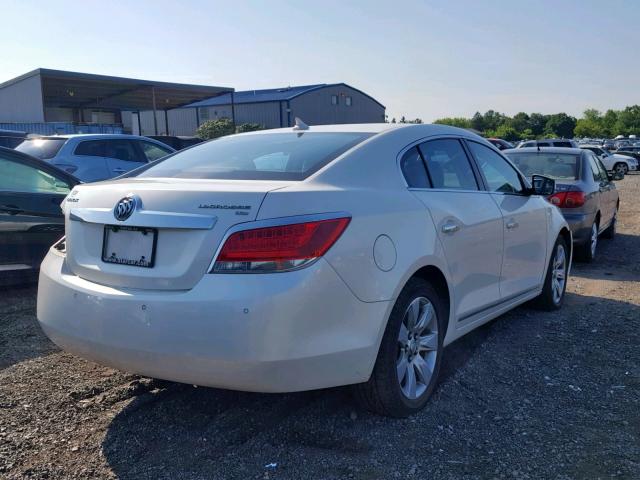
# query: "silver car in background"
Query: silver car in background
{"points": [[585, 192]]}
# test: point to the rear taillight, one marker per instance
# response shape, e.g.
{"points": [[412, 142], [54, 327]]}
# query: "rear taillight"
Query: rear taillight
{"points": [[567, 199], [278, 248]]}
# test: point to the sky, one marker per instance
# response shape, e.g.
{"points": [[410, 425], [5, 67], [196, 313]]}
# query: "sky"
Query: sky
{"points": [[421, 59]]}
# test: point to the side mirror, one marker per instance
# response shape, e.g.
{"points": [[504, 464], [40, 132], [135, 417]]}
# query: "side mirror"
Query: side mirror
{"points": [[542, 185]]}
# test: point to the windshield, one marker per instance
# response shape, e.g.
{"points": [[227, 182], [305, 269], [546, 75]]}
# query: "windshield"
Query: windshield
{"points": [[562, 166], [269, 156], [42, 148]]}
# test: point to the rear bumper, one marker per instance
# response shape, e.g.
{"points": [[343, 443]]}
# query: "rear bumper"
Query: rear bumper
{"points": [[580, 225], [284, 332]]}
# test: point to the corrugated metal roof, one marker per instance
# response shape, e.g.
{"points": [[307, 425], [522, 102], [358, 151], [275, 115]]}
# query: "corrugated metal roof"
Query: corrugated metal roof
{"points": [[258, 96]]}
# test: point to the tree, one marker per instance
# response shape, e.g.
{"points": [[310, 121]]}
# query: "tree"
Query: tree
{"points": [[520, 122], [477, 122], [249, 127], [561, 125], [537, 122], [459, 122], [506, 132], [215, 128], [629, 121]]}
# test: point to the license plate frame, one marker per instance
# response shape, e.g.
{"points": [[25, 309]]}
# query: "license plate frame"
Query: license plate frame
{"points": [[114, 229]]}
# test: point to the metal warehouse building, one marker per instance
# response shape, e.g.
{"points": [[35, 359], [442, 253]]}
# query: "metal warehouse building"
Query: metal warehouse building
{"points": [[56, 101], [315, 104]]}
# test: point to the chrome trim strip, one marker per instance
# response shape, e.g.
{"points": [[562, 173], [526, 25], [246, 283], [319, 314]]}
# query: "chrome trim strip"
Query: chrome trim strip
{"points": [[272, 222], [144, 218]]}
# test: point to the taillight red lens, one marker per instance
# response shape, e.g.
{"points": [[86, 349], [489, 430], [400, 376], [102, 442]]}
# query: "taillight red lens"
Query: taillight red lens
{"points": [[567, 199], [279, 248]]}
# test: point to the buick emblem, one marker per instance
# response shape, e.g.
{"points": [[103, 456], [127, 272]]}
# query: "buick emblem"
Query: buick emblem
{"points": [[125, 207]]}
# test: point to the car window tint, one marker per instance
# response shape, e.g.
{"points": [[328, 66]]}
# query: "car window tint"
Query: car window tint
{"points": [[544, 144], [122, 150], [603, 171], [153, 152], [17, 177], [413, 169], [241, 157], [562, 144], [500, 175], [593, 165], [91, 148], [42, 148], [448, 165], [563, 166]]}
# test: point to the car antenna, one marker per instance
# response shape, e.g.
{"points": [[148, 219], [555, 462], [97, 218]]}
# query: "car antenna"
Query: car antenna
{"points": [[300, 125]]}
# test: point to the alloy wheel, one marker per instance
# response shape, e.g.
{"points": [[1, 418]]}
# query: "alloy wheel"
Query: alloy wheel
{"points": [[417, 348], [559, 274]]}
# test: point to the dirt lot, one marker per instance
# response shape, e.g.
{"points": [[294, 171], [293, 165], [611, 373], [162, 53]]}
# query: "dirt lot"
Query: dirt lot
{"points": [[530, 395]]}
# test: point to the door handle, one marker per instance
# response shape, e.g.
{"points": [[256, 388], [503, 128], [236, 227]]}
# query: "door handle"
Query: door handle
{"points": [[511, 224], [450, 227]]}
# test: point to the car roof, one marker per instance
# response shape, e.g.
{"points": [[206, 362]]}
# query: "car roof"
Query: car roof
{"points": [[575, 151], [90, 136]]}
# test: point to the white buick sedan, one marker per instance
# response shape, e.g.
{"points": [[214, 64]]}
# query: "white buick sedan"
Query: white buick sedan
{"points": [[304, 258]]}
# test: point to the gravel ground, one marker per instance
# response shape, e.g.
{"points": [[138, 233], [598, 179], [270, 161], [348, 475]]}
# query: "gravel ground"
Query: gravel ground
{"points": [[530, 395]]}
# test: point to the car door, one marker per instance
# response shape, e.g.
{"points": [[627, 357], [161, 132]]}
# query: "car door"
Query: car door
{"points": [[525, 222], [468, 222], [89, 161], [122, 156], [31, 219]]}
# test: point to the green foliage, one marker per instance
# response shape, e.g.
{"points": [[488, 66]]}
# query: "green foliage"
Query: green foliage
{"points": [[593, 124], [215, 128], [249, 127]]}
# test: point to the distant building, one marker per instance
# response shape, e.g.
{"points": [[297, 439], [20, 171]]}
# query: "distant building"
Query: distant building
{"points": [[274, 108], [56, 101]]}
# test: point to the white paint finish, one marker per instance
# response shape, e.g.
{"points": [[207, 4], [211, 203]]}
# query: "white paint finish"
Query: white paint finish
{"points": [[384, 253], [302, 327]]}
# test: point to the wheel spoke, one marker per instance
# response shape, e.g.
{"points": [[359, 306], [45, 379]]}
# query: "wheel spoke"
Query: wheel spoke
{"points": [[425, 318], [401, 366], [410, 385], [412, 314], [423, 371], [428, 342], [403, 336]]}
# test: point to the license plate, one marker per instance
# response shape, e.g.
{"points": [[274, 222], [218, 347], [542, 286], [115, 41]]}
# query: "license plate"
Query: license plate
{"points": [[135, 246]]}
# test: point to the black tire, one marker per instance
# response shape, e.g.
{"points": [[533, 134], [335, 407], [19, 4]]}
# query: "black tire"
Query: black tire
{"points": [[621, 168], [383, 393], [610, 232], [546, 300], [584, 252]]}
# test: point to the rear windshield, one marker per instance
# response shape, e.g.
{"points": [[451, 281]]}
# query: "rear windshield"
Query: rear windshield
{"points": [[555, 165], [268, 156], [42, 148]]}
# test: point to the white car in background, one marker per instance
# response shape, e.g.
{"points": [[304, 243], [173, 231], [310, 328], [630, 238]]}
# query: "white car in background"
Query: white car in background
{"points": [[304, 258], [93, 157], [614, 162]]}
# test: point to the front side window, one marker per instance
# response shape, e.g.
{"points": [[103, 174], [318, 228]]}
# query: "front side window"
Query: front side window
{"points": [[448, 165], [42, 148], [265, 156], [499, 174], [17, 177], [413, 169], [153, 152]]}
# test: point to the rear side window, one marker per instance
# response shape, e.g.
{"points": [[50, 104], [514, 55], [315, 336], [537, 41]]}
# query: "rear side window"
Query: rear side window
{"points": [[562, 144], [42, 148], [91, 148], [448, 165], [413, 169], [264, 156]]}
